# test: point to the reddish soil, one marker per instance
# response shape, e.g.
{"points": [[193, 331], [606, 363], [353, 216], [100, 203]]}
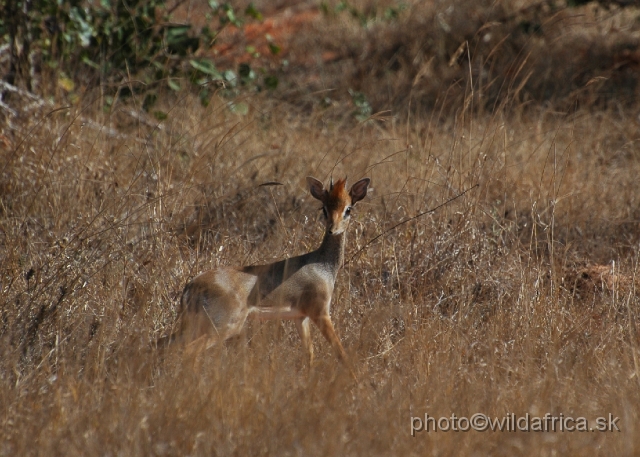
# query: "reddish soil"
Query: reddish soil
{"points": [[252, 41]]}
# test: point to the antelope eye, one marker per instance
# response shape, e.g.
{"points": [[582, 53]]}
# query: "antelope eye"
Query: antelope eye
{"points": [[347, 212], [324, 211]]}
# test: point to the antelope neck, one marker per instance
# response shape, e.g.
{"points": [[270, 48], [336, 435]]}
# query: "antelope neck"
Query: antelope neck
{"points": [[331, 251]]}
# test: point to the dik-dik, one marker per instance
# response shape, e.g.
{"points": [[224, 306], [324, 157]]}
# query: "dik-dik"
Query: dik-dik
{"points": [[216, 303]]}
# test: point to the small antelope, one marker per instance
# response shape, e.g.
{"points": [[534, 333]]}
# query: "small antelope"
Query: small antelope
{"points": [[216, 303]]}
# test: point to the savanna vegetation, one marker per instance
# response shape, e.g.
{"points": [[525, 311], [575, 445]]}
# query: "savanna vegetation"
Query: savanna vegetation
{"points": [[144, 142]]}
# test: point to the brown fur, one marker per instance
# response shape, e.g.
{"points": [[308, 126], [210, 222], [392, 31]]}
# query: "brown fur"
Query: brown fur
{"points": [[216, 303]]}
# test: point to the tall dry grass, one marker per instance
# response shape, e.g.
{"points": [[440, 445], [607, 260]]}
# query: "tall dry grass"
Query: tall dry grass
{"points": [[488, 305], [410, 56]]}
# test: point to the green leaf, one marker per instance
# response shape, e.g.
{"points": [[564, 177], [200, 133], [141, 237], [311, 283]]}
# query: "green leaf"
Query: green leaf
{"points": [[173, 85], [204, 97], [84, 30], [246, 73], [207, 67], [209, 37], [176, 33], [91, 63], [341, 6], [271, 81], [274, 48], [231, 77], [149, 100], [160, 115], [253, 12], [179, 41], [363, 108], [230, 16], [240, 108], [66, 83]]}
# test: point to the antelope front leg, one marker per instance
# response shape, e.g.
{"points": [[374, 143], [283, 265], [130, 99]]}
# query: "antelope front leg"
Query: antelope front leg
{"points": [[326, 327], [305, 335]]}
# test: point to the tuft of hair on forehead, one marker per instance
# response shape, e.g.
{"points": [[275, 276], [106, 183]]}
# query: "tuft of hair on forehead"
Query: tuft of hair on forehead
{"points": [[338, 192]]}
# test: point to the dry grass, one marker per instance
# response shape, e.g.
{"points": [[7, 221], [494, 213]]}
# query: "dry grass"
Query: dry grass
{"points": [[482, 306], [519, 297], [432, 53]]}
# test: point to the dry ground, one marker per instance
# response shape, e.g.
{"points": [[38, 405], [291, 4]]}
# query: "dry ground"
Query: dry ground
{"points": [[518, 297]]}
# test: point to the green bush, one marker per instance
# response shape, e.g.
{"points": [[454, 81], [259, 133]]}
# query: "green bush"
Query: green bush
{"points": [[111, 42]]}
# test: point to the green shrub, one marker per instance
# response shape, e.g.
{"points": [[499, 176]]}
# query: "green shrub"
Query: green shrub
{"points": [[130, 43]]}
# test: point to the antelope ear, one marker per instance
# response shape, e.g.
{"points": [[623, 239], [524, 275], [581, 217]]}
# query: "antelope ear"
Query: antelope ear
{"points": [[317, 189], [359, 190]]}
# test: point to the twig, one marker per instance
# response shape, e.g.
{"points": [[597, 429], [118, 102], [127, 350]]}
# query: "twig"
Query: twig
{"points": [[108, 131], [6, 107], [372, 240]]}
